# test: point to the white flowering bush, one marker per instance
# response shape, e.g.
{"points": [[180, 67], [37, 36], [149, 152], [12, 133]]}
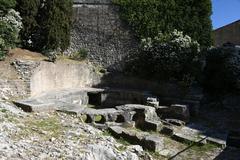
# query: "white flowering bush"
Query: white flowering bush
{"points": [[168, 56], [10, 26]]}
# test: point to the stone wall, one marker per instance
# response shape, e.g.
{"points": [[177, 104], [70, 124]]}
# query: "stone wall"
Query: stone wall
{"points": [[98, 29], [51, 77], [10, 89], [228, 33]]}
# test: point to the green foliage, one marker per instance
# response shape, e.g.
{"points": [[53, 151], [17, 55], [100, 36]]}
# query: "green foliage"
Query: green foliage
{"points": [[5, 5], [46, 24], [58, 23], [2, 47], [10, 25], [222, 71], [30, 34], [167, 56], [149, 17], [81, 54]]}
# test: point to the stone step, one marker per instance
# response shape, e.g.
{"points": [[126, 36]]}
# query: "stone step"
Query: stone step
{"points": [[148, 142], [216, 141], [189, 139], [152, 125]]}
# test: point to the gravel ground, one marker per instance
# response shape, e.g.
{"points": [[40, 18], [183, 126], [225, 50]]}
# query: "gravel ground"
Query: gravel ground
{"points": [[57, 136], [50, 136]]}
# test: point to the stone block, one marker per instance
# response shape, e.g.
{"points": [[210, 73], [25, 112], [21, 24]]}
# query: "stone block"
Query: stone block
{"points": [[218, 142], [153, 143], [180, 112], [132, 136], [116, 131], [152, 125], [167, 130], [188, 139], [175, 122]]}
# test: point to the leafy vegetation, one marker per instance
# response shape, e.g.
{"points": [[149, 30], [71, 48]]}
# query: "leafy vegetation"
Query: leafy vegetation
{"points": [[149, 17], [10, 25], [5, 5], [222, 71], [167, 56], [81, 54], [46, 24]]}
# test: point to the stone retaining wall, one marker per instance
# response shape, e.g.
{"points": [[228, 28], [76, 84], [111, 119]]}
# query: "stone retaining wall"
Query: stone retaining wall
{"points": [[98, 29], [50, 77], [13, 88]]}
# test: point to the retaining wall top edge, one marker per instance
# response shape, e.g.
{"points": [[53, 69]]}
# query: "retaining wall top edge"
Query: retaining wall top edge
{"points": [[92, 1]]}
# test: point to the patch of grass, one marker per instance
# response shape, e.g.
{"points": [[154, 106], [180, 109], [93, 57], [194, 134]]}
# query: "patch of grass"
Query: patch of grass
{"points": [[10, 118], [123, 141], [122, 148], [81, 54], [156, 155], [91, 106], [98, 118], [3, 110], [204, 148], [48, 128], [106, 133]]}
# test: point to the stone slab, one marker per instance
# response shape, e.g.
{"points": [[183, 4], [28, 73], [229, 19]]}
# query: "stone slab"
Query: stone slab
{"points": [[189, 139], [153, 143]]}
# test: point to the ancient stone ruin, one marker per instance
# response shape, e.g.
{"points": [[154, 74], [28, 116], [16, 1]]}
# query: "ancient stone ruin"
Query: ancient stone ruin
{"points": [[136, 116]]}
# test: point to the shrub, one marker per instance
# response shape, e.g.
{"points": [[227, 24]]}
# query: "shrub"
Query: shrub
{"points": [[10, 25], [2, 47], [222, 70], [81, 54], [167, 56], [148, 17]]}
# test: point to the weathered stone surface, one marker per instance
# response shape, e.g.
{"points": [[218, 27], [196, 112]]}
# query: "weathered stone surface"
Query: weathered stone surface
{"points": [[152, 101], [175, 122], [153, 143], [133, 137], [216, 141], [25, 68], [74, 140], [116, 131], [98, 29], [13, 88], [167, 130], [35, 106], [49, 77], [180, 112], [152, 125], [150, 112], [188, 139], [115, 97], [54, 101]]}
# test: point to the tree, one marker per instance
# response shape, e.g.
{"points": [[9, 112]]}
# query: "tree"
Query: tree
{"points": [[149, 17], [29, 11], [57, 25], [5, 5], [47, 24]]}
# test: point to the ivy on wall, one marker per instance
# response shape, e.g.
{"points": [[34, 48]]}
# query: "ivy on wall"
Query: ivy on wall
{"points": [[149, 17]]}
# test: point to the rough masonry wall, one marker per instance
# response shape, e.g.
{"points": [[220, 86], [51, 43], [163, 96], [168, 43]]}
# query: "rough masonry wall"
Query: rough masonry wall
{"points": [[97, 27]]}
